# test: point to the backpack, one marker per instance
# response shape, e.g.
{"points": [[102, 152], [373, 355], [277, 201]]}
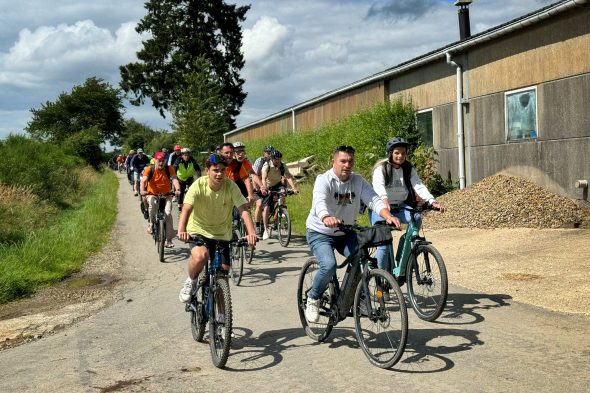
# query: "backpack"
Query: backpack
{"points": [[153, 168]]}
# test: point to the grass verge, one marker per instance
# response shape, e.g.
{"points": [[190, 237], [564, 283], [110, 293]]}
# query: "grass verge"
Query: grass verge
{"points": [[60, 249]]}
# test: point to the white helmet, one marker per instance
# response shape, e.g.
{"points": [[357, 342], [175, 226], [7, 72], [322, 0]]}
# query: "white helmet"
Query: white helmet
{"points": [[238, 144], [185, 150]]}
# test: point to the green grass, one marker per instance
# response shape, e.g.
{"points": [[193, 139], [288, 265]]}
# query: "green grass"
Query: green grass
{"points": [[60, 249]]}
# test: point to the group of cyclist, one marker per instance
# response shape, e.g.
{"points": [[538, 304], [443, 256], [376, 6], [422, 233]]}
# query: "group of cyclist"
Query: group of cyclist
{"points": [[206, 203]]}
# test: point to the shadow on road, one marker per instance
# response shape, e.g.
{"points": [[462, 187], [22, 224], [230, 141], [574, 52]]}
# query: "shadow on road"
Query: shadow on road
{"points": [[464, 308]]}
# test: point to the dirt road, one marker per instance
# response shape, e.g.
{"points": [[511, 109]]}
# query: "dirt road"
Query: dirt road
{"points": [[140, 341]]}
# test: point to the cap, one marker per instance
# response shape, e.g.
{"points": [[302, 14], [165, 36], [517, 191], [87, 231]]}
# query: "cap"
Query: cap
{"points": [[177, 147], [140, 150]]}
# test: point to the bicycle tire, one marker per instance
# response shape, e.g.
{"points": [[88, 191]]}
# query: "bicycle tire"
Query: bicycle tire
{"points": [[237, 255], [383, 334], [284, 227], [321, 330], [161, 239], [220, 332], [249, 250], [427, 304], [198, 320]]}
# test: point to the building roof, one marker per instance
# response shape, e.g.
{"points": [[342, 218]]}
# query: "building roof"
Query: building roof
{"points": [[519, 23]]}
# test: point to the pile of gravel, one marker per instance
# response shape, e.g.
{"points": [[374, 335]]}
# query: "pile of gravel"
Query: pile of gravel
{"points": [[502, 201]]}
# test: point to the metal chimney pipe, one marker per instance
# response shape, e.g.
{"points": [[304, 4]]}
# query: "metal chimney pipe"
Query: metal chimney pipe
{"points": [[464, 24]]}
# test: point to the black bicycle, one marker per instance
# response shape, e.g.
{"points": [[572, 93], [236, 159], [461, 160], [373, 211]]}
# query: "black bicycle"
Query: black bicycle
{"points": [[210, 302], [159, 225], [278, 218], [370, 295]]}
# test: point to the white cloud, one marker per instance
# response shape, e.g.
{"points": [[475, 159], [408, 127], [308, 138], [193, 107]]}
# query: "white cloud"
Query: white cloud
{"points": [[56, 53], [265, 48]]}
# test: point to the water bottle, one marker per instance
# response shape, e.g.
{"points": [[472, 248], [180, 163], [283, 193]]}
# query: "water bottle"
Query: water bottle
{"points": [[216, 261]]}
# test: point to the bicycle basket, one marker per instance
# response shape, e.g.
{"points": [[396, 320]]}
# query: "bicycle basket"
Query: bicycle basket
{"points": [[378, 235]]}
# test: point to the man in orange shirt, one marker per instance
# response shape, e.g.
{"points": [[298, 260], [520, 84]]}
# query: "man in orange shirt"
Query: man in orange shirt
{"points": [[239, 168], [158, 182]]}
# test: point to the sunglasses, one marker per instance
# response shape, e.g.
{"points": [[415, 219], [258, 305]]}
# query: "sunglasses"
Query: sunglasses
{"points": [[344, 148]]}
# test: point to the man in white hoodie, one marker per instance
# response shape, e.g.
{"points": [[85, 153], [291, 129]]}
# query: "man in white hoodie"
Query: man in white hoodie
{"points": [[337, 195]]}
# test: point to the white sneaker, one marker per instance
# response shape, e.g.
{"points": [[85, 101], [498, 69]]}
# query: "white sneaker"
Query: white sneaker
{"points": [[312, 310], [265, 235], [185, 293]]}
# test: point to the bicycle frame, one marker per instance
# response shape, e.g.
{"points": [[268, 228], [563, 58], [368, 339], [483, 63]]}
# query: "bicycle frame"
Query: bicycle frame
{"points": [[411, 239], [357, 264]]}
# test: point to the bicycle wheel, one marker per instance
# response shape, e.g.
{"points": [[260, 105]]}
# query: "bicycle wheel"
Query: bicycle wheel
{"points": [[319, 330], [161, 239], [382, 329], [284, 227], [198, 320], [237, 255], [426, 277], [220, 323]]}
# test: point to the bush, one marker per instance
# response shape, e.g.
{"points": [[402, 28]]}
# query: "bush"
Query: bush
{"points": [[424, 160], [86, 145], [44, 168], [21, 212], [368, 131]]}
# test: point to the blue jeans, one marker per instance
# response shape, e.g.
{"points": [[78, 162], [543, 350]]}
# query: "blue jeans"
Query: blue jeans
{"points": [[404, 216], [322, 247]]}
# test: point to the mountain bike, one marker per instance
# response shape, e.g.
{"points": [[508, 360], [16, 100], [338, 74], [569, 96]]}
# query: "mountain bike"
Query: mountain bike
{"points": [[420, 265], [278, 218], [381, 323], [159, 225], [210, 302], [239, 229]]}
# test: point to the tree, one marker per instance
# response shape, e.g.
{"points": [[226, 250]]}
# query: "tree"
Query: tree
{"points": [[181, 31], [93, 105], [198, 115], [137, 135]]}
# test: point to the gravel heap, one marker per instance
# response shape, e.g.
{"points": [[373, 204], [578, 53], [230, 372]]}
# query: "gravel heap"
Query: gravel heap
{"points": [[502, 201]]}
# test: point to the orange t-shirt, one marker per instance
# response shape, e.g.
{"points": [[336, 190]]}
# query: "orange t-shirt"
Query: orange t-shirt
{"points": [[243, 173], [159, 183]]}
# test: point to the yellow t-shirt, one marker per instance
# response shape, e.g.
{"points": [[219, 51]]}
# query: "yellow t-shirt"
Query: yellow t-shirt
{"points": [[212, 211]]}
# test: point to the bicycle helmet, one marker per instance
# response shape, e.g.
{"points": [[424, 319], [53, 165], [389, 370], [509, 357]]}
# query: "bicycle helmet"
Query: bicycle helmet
{"points": [[239, 144], [268, 149], [165, 150], [394, 142], [160, 156], [185, 150], [276, 154], [177, 147], [140, 150]]}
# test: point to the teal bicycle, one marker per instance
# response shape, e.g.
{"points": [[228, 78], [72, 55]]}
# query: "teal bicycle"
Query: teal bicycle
{"points": [[420, 266]]}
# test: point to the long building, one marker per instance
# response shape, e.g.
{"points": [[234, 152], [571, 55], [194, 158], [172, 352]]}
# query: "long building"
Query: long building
{"points": [[514, 98]]}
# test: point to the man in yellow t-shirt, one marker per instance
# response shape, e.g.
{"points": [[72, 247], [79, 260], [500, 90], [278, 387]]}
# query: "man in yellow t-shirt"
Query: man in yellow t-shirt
{"points": [[207, 214]]}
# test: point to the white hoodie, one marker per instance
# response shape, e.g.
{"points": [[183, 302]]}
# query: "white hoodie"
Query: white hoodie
{"points": [[332, 197]]}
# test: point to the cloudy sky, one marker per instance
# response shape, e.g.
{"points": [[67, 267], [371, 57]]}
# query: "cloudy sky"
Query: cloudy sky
{"points": [[295, 50]]}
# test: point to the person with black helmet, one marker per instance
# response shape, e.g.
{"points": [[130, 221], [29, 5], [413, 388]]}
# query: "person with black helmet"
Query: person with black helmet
{"points": [[274, 172], [397, 183]]}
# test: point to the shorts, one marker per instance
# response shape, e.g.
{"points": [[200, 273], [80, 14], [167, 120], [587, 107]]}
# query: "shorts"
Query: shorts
{"points": [[268, 199], [136, 176], [211, 245]]}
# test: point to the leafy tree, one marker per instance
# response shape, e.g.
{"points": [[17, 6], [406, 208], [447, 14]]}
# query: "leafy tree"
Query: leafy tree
{"points": [[137, 135], [198, 114], [95, 104], [181, 31], [86, 144]]}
